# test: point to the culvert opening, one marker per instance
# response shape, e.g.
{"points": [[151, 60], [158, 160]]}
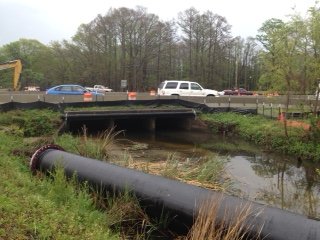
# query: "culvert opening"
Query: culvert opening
{"points": [[131, 125], [134, 120]]}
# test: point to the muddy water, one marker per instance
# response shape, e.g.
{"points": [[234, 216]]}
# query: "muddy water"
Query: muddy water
{"points": [[272, 179]]}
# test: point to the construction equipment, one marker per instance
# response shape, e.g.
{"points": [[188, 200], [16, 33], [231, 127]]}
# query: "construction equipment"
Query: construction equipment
{"points": [[16, 64]]}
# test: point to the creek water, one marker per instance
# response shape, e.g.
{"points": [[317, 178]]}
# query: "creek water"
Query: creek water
{"points": [[264, 177]]}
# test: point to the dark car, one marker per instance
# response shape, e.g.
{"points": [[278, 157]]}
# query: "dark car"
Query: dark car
{"points": [[239, 91], [70, 89]]}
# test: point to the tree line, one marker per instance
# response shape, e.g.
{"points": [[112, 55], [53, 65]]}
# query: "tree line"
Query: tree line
{"points": [[134, 45]]}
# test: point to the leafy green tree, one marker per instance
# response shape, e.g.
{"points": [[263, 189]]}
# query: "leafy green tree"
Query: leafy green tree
{"points": [[313, 26], [281, 41], [270, 38], [36, 60]]}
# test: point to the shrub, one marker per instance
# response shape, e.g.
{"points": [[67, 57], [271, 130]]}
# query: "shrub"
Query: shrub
{"points": [[33, 123]]}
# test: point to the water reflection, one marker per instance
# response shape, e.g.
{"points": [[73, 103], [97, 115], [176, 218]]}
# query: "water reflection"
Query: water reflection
{"points": [[273, 179], [277, 181]]}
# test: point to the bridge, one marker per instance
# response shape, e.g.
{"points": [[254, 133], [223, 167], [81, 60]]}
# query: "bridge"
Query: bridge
{"points": [[268, 106]]}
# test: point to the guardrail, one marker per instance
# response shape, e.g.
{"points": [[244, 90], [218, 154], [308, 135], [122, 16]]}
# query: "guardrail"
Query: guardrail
{"points": [[33, 96]]}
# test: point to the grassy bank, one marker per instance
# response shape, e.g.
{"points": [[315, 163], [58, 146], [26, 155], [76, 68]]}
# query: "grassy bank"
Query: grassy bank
{"points": [[39, 207], [270, 134]]}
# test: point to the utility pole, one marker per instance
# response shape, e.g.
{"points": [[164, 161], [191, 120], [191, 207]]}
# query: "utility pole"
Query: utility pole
{"points": [[236, 75], [315, 110]]}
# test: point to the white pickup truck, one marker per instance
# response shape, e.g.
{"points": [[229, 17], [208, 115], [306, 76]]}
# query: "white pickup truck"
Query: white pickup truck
{"points": [[99, 88]]}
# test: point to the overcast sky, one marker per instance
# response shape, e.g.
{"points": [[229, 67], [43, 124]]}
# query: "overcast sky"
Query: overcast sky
{"points": [[51, 20]]}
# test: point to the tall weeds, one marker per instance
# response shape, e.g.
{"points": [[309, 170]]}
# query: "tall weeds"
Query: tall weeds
{"points": [[98, 147], [171, 167], [125, 215], [210, 225]]}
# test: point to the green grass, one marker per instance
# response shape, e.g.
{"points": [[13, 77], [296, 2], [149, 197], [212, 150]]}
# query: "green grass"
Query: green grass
{"points": [[33, 207], [122, 107], [269, 133], [42, 207]]}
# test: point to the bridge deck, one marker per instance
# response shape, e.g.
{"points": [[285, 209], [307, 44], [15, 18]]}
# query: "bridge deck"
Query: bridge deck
{"points": [[127, 114]]}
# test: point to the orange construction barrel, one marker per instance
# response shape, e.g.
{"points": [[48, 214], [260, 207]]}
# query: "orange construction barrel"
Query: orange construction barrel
{"points": [[87, 97], [132, 95]]}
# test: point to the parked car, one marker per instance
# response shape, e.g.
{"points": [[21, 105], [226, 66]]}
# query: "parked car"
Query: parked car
{"points": [[70, 89], [99, 88], [239, 91], [32, 89], [184, 88]]}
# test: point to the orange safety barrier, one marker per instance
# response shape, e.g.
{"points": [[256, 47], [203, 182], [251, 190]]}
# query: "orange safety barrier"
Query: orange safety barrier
{"points": [[293, 123], [132, 95], [87, 97]]}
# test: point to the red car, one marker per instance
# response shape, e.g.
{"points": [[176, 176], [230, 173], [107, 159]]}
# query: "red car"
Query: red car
{"points": [[239, 91]]}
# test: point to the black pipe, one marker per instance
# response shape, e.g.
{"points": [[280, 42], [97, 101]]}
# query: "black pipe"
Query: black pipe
{"points": [[180, 199]]}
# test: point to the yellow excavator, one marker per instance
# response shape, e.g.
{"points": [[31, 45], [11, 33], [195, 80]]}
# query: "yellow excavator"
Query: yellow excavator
{"points": [[16, 64]]}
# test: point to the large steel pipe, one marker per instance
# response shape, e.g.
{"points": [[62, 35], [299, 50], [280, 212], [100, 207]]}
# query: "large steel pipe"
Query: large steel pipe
{"points": [[180, 199]]}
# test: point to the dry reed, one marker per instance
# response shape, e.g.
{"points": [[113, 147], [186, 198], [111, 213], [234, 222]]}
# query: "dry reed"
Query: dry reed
{"points": [[235, 225]]}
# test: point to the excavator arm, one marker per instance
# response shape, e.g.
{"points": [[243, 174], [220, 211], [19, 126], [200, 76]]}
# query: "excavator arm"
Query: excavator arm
{"points": [[16, 64]]}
